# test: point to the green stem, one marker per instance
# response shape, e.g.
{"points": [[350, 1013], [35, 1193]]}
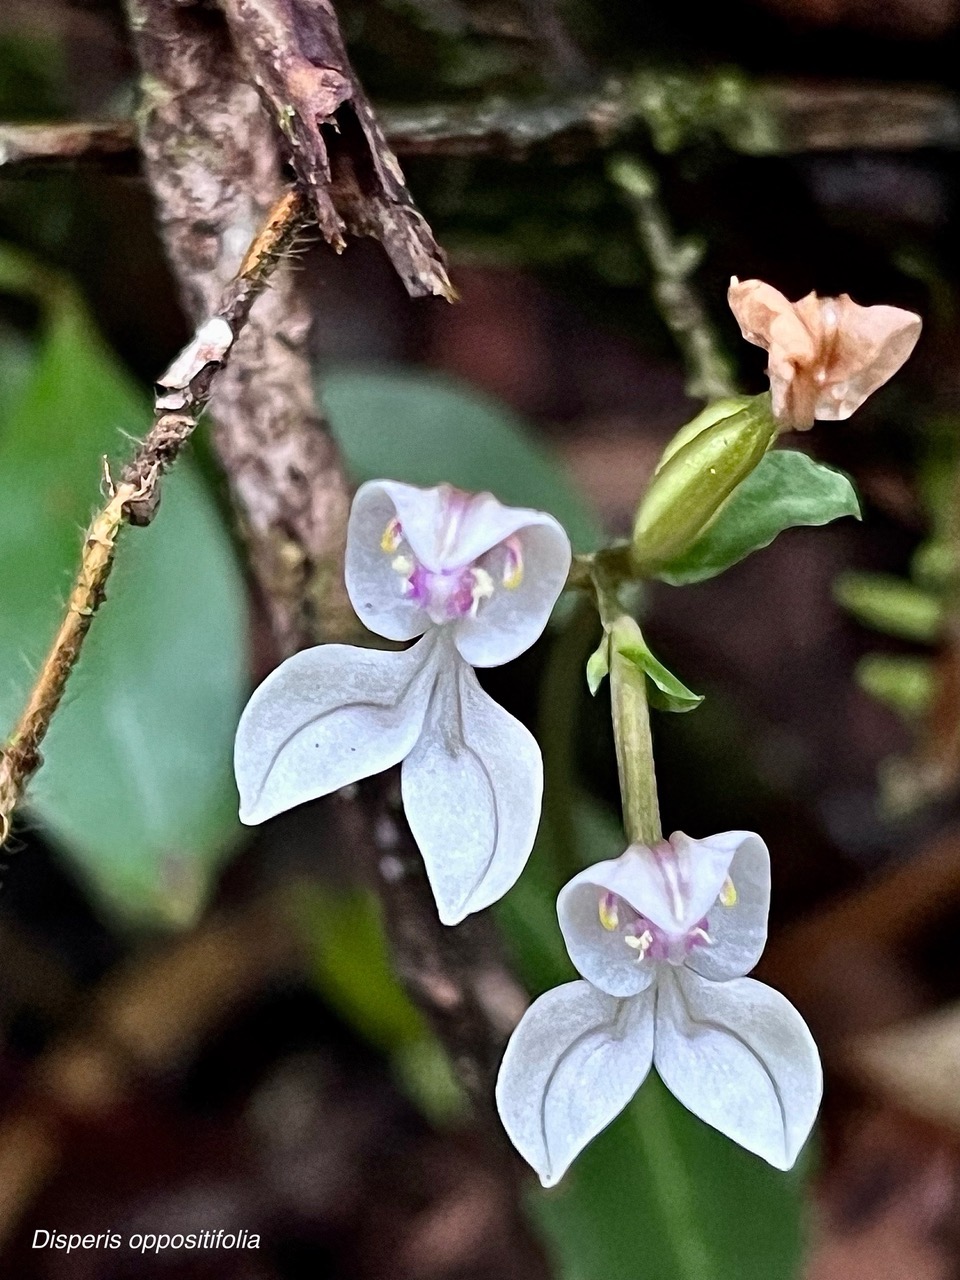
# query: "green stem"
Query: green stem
{"points": [[631, 732]]}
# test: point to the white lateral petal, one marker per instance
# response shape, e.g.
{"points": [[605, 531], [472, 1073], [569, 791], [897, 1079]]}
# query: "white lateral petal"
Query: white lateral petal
{"points": [[327, 717], [472, 788], [509, 622], [375, 587], [740, 1057], [739, 932], [600, 955], [574, 1062]]}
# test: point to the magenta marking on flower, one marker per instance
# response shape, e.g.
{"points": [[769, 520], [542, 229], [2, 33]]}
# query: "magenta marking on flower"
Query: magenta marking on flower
{"points": [[647, 939], [454, 591]]}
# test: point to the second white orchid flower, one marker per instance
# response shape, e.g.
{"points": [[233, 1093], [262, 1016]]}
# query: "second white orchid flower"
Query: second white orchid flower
{"points": [[477, 581], [663, 936]]}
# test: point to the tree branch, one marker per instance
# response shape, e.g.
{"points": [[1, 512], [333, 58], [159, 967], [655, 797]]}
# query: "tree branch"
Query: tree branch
{"points": [[672, 263], [111, 144], [182, 393], [796, 117], [212, 161], [293, 50]]}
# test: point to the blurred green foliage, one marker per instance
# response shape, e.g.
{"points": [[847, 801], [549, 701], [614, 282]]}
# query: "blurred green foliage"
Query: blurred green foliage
{"points": [[136, 787], [424, 428]]}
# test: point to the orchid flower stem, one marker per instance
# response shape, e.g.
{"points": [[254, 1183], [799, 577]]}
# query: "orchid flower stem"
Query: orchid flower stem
{"points": [[631, 732]]}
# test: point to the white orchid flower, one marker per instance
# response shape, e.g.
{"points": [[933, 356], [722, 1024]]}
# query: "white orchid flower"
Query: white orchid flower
{"points": [[477, 581], [663, 936]]}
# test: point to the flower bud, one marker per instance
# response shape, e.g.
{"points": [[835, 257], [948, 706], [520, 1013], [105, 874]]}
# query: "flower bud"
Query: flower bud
{"points": [[695, 480]]}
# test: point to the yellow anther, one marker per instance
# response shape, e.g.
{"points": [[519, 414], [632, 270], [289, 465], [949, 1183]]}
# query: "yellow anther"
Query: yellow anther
{"points": [[513, 565], [401, 564], [728, 894], [609, 916], [513, 576], [392, 535]]}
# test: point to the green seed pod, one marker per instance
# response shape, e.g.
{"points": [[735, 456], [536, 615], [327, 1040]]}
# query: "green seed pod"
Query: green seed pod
{"points": [[695, 480]]}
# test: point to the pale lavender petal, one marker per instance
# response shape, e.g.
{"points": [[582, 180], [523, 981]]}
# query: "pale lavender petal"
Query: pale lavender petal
{"points": [[327, 717], [740, 1057], [513, 617], [472, 788], [738, 932], [377, 589], [574, 1062]]}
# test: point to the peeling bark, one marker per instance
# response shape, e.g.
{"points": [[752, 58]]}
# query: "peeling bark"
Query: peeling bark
{"points": [[294, 52], [211, 159]]}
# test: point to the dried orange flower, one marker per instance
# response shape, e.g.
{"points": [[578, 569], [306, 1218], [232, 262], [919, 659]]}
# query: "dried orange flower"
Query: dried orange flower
{"points": [[826, 354]]}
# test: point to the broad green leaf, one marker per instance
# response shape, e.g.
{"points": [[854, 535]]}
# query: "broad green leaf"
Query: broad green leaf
{"points": [[424, 429], [137, 785], [787, 488], [659, 1195], [904, 683], [891, 605]]}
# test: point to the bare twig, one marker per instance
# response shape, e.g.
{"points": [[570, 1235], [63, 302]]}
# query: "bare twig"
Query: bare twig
{"points": [[794, 117], [182, 393], [110, 144], [672, 262]]}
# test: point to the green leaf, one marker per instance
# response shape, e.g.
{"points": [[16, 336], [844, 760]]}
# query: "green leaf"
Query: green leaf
{"points": [[905, 684], [137, 784], [787, 488], [659, 1195], [891, 605], [424, 429]]}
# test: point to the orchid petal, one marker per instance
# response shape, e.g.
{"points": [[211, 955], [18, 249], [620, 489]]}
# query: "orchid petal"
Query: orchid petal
{"points": [[673, 884], [376, 589], [738, 932], [509, 622], [472, 788], [575, 1060], [447, 528], [740, 1057], [327, 717], [599, 954]]}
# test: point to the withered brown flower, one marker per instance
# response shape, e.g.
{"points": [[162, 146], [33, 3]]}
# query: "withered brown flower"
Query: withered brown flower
{"points": [[826, 354]]}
